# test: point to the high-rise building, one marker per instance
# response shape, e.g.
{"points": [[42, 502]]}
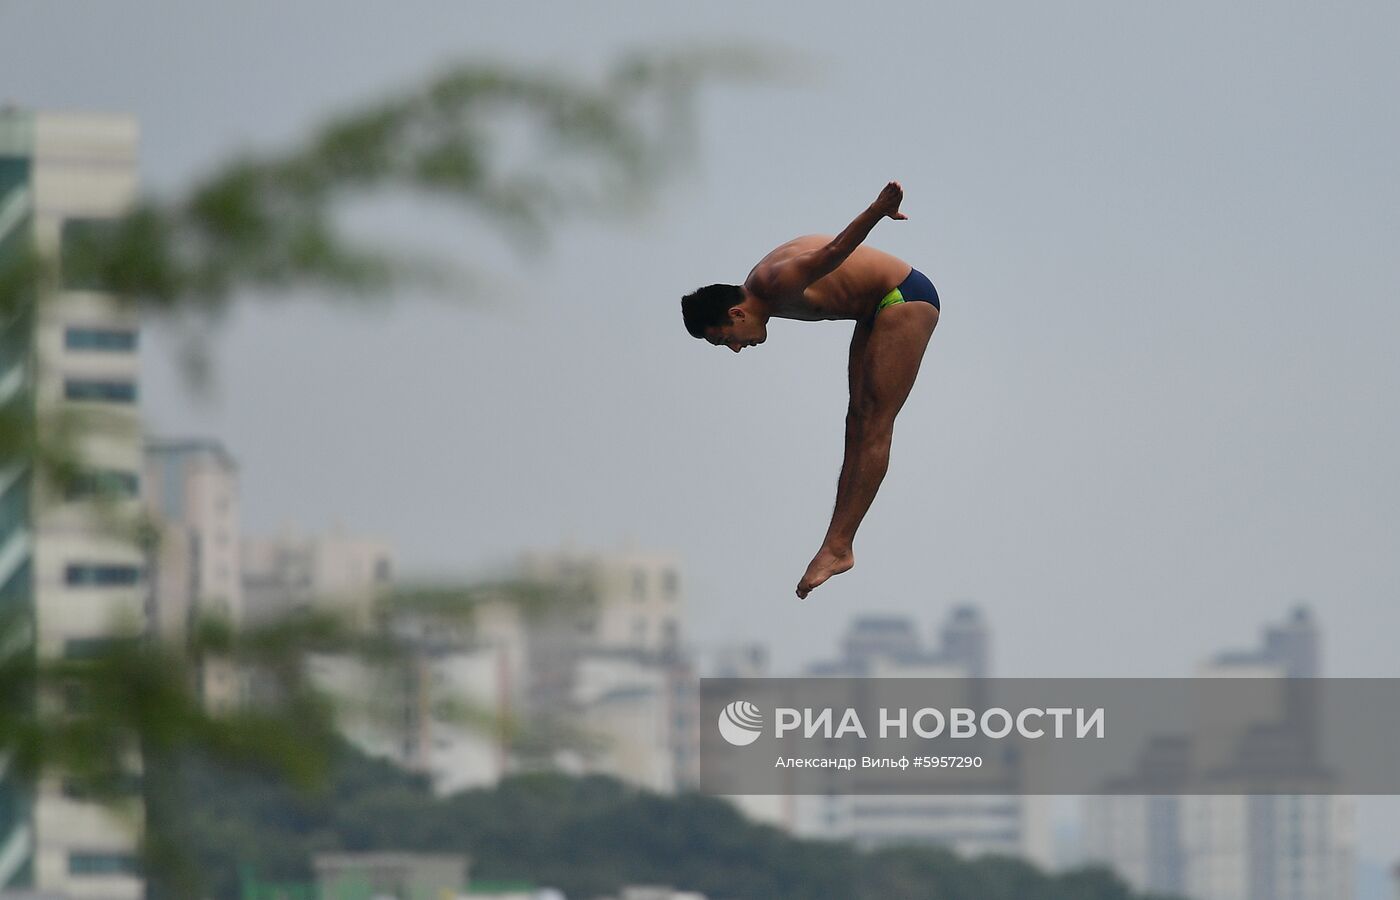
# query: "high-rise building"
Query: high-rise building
{"points": [[191, 489], [889, 646], [966, 641], [871, 639], [885, 646], [334, 572], [70, 364], [440, 705], [1219, 846], [191, 492], [738, 660], [583, 655], [627, 600], [1268, 847], [610, 657], [1291, 649]]}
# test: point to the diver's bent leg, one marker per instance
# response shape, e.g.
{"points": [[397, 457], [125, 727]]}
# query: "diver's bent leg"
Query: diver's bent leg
{"points": [[855, 374], [889, 365], [869, 464]]}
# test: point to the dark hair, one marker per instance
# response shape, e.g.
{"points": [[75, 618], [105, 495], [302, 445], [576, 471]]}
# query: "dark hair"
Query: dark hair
{"points": [[709, 307]]}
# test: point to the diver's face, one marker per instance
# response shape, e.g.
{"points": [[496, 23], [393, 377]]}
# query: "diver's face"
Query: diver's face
{"points": [[743, 330]]}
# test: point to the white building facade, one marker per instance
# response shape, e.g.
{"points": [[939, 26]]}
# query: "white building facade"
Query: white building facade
{"points": [[1221, 846], [190, 489], [878, 647], [574, 663], [334, 572], [76, 581]]}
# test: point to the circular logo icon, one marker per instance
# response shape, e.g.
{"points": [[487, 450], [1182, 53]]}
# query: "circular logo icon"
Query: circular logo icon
{"points": [[740, 723]]}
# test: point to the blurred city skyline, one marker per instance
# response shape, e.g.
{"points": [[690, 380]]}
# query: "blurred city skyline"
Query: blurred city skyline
{"points": [[1158, 411], [1140, 405]]}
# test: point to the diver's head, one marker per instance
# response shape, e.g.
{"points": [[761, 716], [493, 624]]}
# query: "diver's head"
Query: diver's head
{"points": [[724, 315]]}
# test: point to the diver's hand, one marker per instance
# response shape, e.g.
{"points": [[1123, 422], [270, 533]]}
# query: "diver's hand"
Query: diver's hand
{"points": [[887, 204]]}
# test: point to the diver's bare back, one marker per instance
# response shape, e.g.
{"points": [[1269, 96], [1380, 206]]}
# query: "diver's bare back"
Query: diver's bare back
{"points": [[852, 291]]}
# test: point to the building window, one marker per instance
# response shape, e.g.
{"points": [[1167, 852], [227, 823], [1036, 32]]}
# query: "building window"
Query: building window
{"points": [[101, 864], [101, 575], [115, 340], [671, 584], [383, 570], [99, 390], [639, 584], [103, 482]]}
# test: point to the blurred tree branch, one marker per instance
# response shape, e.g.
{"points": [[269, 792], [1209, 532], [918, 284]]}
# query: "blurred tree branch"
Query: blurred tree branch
{"points": [[520, 148]]}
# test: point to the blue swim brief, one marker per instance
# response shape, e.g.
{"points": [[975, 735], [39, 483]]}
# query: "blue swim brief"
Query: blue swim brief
{"points": [[915, 287]]}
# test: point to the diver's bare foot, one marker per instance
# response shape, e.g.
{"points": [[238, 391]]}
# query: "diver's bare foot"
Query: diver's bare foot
{"points": [[826, 563]]}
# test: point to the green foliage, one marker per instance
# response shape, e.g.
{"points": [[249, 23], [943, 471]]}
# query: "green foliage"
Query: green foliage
{"points": [[458, 603], [93, 715], [586, 836]]}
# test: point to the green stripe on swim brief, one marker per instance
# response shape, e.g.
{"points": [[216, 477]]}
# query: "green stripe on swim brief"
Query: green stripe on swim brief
{"points": [[891, 299]]}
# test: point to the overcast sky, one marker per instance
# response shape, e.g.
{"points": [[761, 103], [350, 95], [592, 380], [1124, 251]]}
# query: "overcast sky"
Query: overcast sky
{"points": [[1160, 407]]}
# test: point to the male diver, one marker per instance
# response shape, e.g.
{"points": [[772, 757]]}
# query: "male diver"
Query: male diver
{"points": [[895, 308]]}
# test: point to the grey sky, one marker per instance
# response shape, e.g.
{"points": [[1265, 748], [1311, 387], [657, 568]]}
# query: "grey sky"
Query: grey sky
{"points": [[1158, 409]]}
